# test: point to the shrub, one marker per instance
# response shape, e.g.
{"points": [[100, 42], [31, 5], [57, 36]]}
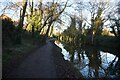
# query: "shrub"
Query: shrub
{"points": [[9, 32]]}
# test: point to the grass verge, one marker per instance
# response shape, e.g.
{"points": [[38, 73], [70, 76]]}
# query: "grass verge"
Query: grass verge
{"points": [[13, 55]]}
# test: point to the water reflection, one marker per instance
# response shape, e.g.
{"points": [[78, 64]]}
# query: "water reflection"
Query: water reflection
{"points": [[90, 61]]}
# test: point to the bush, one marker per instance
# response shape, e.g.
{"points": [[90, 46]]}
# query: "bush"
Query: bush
{"points": [[9, 32]]}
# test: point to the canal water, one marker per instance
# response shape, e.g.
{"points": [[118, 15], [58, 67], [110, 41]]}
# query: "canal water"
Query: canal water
{"points": [[91, 62]]}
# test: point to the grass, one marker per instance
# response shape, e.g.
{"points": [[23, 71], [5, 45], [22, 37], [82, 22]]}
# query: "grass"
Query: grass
{"points": [[13, 55], [17, 50], [108, 41]]}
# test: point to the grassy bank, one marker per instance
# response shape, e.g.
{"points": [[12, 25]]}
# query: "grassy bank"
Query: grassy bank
{"points": [[108, 41], [13, 55]]}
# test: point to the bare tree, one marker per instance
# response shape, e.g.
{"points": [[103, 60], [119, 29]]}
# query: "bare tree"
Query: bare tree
{"points": [[97, 10], [52, 16], [115, 21], [22, 15], [11, 7]]}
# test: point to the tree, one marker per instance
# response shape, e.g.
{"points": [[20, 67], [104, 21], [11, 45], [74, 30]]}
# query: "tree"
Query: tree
{"points": [[54, 13], [14, 6], [22, 15], [115, 21], [44, 16], [97, 10], [71, 32]]}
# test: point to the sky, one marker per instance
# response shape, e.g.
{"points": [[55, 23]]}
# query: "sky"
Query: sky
{"points": [[60, 0], [10, 13], [70, 10]]}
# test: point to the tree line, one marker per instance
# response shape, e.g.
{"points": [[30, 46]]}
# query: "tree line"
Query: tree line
{"points": [[100, 13], [39, 17]]}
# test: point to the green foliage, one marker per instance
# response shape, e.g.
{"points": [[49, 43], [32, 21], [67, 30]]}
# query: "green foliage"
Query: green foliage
{"points": [[34, 21], [71, 31], [115, 26], [105, 32], [72, 34]]}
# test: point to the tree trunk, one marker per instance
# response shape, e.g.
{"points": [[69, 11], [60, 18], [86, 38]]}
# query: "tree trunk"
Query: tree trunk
{"points": [[47, 33], [51, 31], [22, 15]]}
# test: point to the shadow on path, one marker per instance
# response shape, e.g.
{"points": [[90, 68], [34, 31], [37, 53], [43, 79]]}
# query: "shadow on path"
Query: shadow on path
{"points": [[39, 64]]}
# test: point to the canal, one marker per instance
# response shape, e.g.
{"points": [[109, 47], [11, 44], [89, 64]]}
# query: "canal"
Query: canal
{"points": [[91, 61]]}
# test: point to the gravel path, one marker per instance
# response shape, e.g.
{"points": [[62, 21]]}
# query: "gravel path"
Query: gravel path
{"points": [[39, 64]]}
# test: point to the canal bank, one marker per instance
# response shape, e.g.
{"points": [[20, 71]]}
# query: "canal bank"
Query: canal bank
{"points": [[64, 68]]}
